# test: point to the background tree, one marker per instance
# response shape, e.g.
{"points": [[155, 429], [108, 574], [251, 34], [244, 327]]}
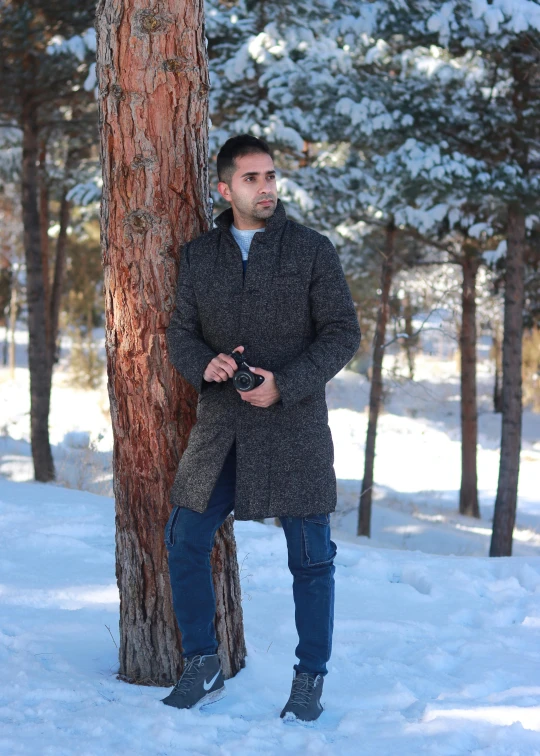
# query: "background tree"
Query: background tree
{"points": [[38, 84], [484, 60], [492, 117], [83, 304]]}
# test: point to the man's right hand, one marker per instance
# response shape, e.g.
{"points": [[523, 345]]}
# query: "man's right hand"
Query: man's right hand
{"points": [[222, 367]]}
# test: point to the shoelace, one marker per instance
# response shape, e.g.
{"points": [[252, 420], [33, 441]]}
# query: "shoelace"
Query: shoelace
{"points": [[188, 676], [302, 688]]}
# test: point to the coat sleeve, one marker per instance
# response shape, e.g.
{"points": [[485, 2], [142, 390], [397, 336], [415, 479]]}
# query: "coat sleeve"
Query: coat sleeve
{"points": [[188, 351], [336, 328]]}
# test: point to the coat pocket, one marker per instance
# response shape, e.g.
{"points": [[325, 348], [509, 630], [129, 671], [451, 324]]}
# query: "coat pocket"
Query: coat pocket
{"points": [[319, 548]]}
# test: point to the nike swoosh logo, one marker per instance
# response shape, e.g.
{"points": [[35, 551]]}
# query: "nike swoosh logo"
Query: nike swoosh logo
{"points": [[206, 685]]}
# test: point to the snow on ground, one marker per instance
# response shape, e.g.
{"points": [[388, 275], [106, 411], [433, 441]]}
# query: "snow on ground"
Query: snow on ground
{"points": [[432, 654], [436, 647]]}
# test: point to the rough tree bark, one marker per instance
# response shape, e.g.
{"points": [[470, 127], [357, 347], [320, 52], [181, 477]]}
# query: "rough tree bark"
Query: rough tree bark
{"points": [[468, 495], [411, 340], [59, 261], [153, 87], [44, 218], [504, 515], [496, 350], [375, 394], [38, 355]]}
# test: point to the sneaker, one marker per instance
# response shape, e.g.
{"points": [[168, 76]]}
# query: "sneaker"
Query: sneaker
{"points": [[304, 702], [201, 683]]}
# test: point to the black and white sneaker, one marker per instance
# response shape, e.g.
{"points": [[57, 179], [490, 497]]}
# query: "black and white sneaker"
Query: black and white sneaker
{"points": [[305, 700], [201, 683]]}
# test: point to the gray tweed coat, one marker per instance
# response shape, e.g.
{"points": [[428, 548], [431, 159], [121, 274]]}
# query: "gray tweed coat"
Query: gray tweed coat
{"points": [[294, 315]]}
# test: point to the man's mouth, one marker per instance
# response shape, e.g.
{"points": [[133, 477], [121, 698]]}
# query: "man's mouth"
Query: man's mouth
{"points": [[265, 202]]}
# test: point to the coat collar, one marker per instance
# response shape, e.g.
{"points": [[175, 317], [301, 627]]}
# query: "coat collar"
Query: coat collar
{"points": [[274, 224]]}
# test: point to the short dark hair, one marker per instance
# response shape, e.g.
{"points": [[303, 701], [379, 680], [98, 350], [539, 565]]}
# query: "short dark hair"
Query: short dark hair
{"points": [[238, 146]]}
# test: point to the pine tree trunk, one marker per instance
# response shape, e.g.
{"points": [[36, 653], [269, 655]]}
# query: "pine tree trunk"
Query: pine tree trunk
{"points": [[44, 231], [497, 389], [506, 502], [59, 273], [468, 495], [153, 84], [13, 304], [38, 355], [410, 341], [375, 394]]}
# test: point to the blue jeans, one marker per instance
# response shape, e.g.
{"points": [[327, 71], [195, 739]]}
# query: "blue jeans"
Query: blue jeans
{"points": [[189, 538]]}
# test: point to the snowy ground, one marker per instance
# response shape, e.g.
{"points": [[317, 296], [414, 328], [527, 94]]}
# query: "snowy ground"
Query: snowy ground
{"points": [[436, 647], [432, 654]]}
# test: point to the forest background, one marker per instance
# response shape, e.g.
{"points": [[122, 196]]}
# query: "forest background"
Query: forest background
{"points": [[407, 133]]}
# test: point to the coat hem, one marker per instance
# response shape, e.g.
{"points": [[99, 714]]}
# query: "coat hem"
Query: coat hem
{"points": [[250, 517]]}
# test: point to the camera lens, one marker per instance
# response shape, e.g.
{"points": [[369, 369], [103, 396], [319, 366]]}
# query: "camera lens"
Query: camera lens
{"points": [[243, 381]]}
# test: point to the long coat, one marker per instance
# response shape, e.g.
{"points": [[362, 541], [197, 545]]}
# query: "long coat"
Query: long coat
{"points": [[294, 315]]}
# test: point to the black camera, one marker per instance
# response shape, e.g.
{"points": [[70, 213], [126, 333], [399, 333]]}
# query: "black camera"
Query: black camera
{"points": [[244, 379]]}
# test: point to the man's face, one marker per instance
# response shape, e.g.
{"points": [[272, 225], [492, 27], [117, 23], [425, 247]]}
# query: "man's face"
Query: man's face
{"points": [[252, 191]]}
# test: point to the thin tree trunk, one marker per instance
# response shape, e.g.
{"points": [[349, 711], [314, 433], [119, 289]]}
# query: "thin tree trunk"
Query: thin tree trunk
{"points": [[153, 84], [44, 232], [410, 340], [497, 389], [468, 495], [506, 502], [375, 394], [59, 273], [13, 304], [38, 356]]}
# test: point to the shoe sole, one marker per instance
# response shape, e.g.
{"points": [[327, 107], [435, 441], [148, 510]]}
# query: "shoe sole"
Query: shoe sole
{"points": [[211, 698], [291, 719], [207, 700]]}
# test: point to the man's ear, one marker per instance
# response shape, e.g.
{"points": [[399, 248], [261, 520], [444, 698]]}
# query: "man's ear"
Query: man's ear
{"points": [[223, 189]]}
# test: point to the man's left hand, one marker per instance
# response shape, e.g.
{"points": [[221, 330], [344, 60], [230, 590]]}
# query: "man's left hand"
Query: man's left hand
{"points": [[265, 394]]}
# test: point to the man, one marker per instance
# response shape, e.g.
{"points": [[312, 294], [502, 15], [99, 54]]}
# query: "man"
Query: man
{"points": [[273, 290]]}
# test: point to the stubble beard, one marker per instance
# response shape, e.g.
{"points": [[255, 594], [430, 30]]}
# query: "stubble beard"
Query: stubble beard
{"points": [[255, 211], [261, 212]]}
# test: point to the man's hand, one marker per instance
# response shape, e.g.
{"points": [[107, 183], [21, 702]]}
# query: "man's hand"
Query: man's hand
{"points": [[222, 367], [265, 394]]}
